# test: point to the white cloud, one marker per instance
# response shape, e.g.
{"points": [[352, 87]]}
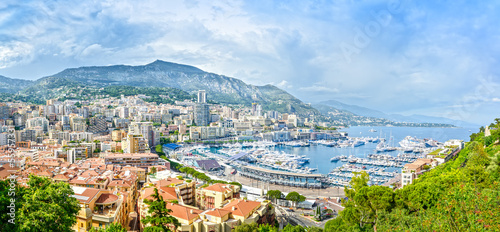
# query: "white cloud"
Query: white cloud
{"points": [[319, 89], [284, 85], [425, 55], [15, 53]]}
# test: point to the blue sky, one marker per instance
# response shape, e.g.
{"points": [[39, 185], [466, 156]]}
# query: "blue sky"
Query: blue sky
{"points": [[436, 58]]}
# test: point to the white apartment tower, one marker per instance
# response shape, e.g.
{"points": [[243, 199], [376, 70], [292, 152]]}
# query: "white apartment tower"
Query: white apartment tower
{"points": [[202, 96]]}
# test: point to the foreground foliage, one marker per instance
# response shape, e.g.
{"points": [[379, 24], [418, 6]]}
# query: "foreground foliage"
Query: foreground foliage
{"points": [[43, 206], [114, 227], [254, 227], [159, 218], [460, 195]]}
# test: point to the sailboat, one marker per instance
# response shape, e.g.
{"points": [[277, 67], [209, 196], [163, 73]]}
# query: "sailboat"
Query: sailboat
{"points": [[391, 148]]}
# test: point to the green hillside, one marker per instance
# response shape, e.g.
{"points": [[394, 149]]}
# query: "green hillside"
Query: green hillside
{"points": [[460, 195]]}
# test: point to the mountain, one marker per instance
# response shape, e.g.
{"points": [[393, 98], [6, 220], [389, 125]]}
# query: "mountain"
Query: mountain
{"points": [[9, 85], [367, 112], [425, 118], [344, 117], [167, 82], [359, 110], [161, 74]]}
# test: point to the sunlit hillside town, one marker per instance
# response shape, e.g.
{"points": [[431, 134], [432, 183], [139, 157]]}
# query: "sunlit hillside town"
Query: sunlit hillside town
{"points": [[114, 152]]}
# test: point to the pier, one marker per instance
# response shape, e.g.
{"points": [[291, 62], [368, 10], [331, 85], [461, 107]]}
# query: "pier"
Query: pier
{"points": [[283, 178]]}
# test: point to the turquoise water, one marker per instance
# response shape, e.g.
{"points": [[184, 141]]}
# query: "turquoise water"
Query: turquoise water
{"points": [[320, 155]]}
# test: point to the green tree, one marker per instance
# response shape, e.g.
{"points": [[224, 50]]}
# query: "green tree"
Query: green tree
{"points": [[236, 183], [494, 166], [295, 197], [159, 150], [165, 140], [267, 228], [317, 213], [114, 227], [10, 199], [313, 229], [47, 206], [337, 225], [273, 195], [159, 218], [252, 227], [290, 228]]}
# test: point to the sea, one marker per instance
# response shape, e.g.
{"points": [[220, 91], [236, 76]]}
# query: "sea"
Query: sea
{"points": [[320, 155]]}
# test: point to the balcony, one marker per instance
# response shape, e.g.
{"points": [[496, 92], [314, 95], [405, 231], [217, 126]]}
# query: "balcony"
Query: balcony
{"points": [[108, 205]]}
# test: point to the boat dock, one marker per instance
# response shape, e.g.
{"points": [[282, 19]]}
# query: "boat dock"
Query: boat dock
{"points": [[283, 178]]}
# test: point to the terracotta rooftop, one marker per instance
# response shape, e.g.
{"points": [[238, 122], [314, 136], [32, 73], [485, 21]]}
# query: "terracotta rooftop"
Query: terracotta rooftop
{"points": [[183, 212], [79, 180], [60, 177], [107, 198], [241, 207], [90, 173], [6, 170], [84, 195], [168, 193], [168, 182], [219, 188], [45, 173], [217, 212], [119, 183]]}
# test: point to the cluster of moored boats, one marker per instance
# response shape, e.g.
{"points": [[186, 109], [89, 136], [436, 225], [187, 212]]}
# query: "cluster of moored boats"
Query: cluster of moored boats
{"points": [[374, 161], [350, 142], [259, 154], [342, 175]]}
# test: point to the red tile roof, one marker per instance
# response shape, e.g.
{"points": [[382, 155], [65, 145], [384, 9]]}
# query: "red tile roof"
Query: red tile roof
{"points": [[241, 207], [168, 193], [167, 182], [218, 212], [6, 170], [183, 212], [218, 188], [106, 198]]}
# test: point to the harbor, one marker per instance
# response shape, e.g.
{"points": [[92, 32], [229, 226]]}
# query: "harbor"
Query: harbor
{"points": [[315, 164]]}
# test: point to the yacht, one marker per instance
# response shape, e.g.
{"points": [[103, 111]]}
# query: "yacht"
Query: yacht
{"points": [[335, 159], [358, 143]]}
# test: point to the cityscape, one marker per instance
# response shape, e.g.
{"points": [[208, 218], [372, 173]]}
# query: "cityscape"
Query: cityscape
{"points": [[249, 116]]}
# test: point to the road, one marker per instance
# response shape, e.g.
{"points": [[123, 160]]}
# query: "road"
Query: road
{"points": [[134, 223], [295, 218]]}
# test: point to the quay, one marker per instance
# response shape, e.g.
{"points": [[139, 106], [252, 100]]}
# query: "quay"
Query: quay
{"points": [[283, 178]]}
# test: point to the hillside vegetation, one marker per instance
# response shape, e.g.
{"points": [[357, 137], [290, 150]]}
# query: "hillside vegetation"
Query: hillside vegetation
{"points": [[460, 195]]}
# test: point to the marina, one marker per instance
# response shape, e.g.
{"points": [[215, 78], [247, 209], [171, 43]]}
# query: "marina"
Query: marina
{"points": [[289, 163]]}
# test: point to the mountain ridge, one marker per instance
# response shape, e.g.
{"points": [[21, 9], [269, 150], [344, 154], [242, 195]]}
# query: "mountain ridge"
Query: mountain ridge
{"points": [[416, 118], [163, 74], [220, 88]]}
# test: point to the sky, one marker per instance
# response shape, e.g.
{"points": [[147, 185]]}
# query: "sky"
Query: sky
{"points": [[437, 58]]}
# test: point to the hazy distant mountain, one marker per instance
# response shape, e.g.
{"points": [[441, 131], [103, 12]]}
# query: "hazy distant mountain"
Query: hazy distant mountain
{"points": [[9, 85], [219, 88], [363, 111], [359, 110], [74, 82], [425, 118]]}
